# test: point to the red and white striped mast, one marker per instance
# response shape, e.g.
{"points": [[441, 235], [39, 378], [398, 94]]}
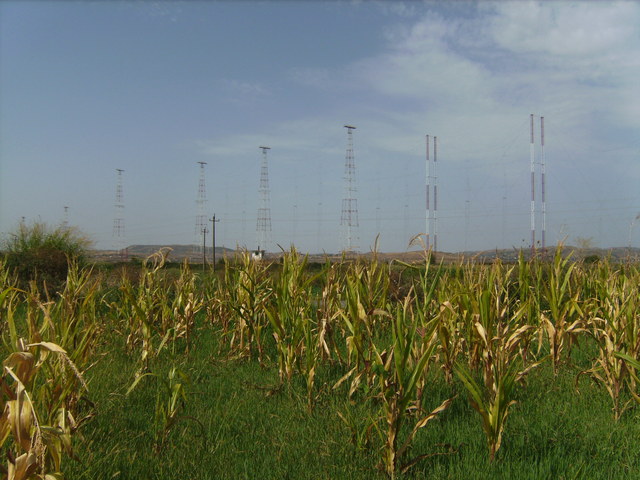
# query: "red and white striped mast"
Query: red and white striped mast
{"points": [[542, 167], [435, 194], [428, 210], [533, 192]]}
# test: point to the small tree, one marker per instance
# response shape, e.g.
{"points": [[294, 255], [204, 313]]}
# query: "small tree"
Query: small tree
{"points": [[42, 253]]}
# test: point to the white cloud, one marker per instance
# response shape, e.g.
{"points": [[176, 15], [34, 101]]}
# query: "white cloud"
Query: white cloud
{"points": [[400, 9], [580, 30], [564, 60]]}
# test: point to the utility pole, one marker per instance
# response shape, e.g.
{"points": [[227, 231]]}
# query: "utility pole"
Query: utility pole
{"points": [[213, 232], [204, 247]]}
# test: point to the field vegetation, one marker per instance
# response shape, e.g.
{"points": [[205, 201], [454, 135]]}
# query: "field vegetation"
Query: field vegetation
{"points": [[352, 369]]}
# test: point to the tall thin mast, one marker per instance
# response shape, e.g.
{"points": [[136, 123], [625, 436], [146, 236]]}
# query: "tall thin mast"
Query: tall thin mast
{"points": [[533, 195], [428, 209], [435, 194], [544, 200]]}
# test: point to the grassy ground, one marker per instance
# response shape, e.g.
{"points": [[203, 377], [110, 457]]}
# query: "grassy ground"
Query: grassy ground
{"points": [[238, 425]]}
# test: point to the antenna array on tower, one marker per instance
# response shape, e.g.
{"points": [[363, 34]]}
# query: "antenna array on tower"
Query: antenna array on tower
{"points": [[201, 217], [349, 217], [543, 190], [263, 224], [118, 219]]}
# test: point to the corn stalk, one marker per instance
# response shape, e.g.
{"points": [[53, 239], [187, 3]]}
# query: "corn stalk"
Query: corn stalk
{"points": [[563, 319], [291, 316], [617, 331], [146, 309], [501, 340], [247, 290], [399, 369]]}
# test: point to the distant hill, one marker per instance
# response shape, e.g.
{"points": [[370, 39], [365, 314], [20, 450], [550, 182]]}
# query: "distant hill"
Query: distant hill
{"points": [[616, 254], [179, 252]]}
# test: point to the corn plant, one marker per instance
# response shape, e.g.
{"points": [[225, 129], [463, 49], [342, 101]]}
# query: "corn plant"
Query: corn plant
{"points": [[37, 422], [146, 309], [171, 400], [528, 289], [398, 370], [448, 329], [72, 322], [500, 339], [291, 317], [328, 310], [365, 298], [245, 292], [464, 300], [617, 331], [75, 340], [492, 402], [187, 302], [563, 319]]}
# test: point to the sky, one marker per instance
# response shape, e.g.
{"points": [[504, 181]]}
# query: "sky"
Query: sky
{"points": [[153, 88]]}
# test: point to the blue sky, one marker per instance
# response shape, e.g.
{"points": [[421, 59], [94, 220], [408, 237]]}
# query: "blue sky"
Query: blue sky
{"points": [[155, 87]]}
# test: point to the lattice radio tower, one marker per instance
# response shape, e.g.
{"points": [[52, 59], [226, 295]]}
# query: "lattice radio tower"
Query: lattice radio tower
{"points": [[118, 219], [201, 217], [349, 217], [263, 224]]}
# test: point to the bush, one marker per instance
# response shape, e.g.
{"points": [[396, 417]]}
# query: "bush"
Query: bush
{"points": [[42, 253], [591, 259]]}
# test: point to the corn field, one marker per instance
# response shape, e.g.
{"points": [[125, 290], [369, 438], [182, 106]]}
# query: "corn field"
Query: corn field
{"points": [[384, 351]]}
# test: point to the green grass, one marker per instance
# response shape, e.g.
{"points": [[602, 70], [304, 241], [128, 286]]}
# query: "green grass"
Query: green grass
{"points": [[244, 419], [252, 429]]}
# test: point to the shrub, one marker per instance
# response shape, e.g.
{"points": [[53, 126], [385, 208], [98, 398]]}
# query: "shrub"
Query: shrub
{"points": [[42, 253], [591, 259]]}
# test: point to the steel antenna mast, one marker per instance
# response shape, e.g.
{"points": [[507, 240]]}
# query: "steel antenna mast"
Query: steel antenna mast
{"points": [[201, 218], [349, 217], [428, 204], [118, 220], [435, 194], [543, 193], [263, 224], [533, 192]]}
